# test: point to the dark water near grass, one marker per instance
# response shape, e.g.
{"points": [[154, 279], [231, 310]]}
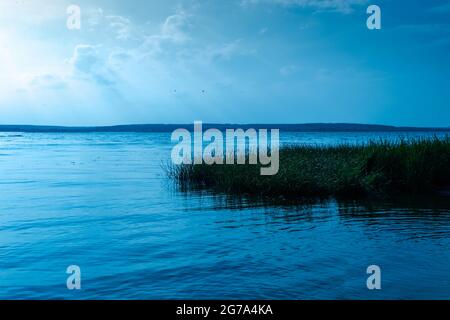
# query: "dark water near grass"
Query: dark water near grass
{"points": [[101, 201]]}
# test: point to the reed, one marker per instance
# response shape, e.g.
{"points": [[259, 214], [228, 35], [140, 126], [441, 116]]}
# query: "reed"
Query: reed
{"points": [[375, 168]]}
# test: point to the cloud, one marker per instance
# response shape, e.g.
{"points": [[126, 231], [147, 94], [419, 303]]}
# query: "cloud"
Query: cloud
{"points": [[342, 6], [118, 57], [94, 17], [175, 27], [120, 25], [157, 66], [169, 38], [84, 58], [88, 63]]}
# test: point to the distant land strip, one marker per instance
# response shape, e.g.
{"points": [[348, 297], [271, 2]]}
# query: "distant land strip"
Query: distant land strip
{"points": [[307, 127]]}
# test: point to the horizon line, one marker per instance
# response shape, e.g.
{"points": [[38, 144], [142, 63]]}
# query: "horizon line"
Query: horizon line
{"points": [[223, 124], [168, 127]]}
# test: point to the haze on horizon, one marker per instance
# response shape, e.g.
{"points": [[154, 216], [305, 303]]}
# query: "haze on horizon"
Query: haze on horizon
{"points": [[237, 61]]}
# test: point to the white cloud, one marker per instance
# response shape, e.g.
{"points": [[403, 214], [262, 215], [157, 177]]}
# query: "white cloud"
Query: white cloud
{"points": [[170, 37], [175, 27], [120, 25], [88, 62], [85, 58], [119, 56], [94, 17]]}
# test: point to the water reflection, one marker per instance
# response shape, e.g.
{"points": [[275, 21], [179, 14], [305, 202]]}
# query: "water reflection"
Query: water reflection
{"points": [[417, 217]]}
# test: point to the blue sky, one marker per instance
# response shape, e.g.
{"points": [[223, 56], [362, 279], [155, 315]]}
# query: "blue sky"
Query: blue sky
{"points": [[240, 61]]}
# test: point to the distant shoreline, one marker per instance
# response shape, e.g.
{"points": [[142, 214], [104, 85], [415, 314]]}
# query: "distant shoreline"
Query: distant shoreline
{"points": [[307, 127]]}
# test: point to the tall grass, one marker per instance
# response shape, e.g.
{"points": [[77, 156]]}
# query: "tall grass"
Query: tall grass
{"points": [[378, 167]]}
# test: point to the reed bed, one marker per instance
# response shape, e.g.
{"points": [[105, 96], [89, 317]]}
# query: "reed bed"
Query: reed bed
{"points": [[416, 166]]}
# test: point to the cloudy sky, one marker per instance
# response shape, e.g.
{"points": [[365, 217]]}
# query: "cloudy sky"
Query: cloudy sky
{"points": [[240, 61]]}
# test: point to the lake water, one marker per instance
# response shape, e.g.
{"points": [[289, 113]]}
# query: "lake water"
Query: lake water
{"points": [[102, 201]]}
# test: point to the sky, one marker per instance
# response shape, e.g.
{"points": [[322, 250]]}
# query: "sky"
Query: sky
{"points": [[227, 61]]}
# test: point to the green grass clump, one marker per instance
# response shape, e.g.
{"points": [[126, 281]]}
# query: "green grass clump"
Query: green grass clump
{"points": [[375, 168]]}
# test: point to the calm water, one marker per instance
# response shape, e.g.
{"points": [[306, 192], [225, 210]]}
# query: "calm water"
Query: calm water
{"points": [[102, 201]]}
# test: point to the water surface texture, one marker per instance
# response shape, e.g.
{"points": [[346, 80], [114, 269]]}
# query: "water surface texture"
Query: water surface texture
{"points": [[102, 201]]}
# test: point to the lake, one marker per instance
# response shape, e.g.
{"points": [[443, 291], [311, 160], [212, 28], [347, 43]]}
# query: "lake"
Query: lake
{"points": [[102, 201]]}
